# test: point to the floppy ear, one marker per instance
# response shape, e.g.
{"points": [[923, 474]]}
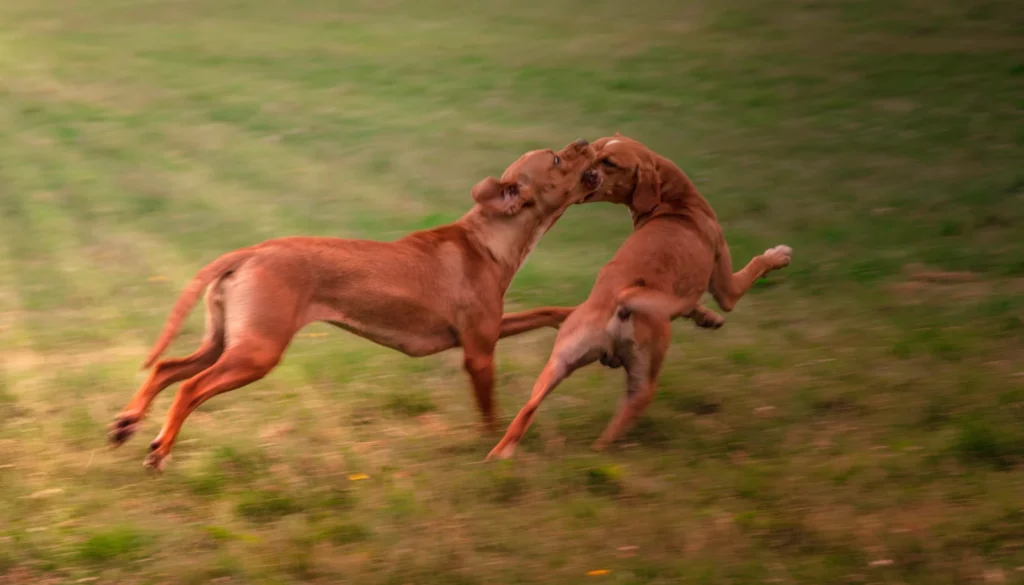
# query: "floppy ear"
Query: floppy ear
{"points": [[495, 196], [647, 194]]}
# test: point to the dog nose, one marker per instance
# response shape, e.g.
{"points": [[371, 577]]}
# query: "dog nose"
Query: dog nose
{"points": [[581, 143]]}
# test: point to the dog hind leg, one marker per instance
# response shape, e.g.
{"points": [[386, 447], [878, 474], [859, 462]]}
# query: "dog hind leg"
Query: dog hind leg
{"points": [[169, 371], [728, 288], [642, 369]]}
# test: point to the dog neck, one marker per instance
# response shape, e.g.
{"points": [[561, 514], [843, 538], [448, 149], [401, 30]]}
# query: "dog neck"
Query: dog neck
{"points": [[679, 198], [508, 240]]}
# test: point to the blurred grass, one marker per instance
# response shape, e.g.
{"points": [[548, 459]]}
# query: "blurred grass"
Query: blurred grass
{"points": [[850, 424]]}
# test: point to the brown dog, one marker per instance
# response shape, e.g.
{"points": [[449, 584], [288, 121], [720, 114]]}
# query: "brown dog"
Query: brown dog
{"points": [[676, 252], [427, 292]]}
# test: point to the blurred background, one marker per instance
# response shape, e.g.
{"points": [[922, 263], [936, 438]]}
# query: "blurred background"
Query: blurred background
{"points": [[859, 419]]}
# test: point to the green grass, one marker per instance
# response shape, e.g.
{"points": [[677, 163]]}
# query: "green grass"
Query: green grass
{"points": [[849, 424]]}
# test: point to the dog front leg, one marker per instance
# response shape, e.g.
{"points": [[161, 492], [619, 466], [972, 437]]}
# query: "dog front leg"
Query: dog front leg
{"points": [[523, 321], [478, 360]]}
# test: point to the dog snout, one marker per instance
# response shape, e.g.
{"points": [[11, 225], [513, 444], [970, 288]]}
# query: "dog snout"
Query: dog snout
{"points": [[580, 152], [582, 147], [591, 181]]}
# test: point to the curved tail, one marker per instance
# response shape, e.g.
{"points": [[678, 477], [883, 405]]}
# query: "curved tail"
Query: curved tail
{"points": [[188, 298], [640, 299]]}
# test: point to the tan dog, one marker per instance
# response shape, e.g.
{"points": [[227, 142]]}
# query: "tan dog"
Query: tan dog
{"points": [[676, 252], [422, 294]]}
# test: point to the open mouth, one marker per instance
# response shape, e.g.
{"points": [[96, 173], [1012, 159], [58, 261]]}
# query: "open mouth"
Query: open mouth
{"points": [[590, 181]]}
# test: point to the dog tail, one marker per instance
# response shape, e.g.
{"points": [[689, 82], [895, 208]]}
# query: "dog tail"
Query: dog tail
{"points": [[193, 290], [640, 299]]}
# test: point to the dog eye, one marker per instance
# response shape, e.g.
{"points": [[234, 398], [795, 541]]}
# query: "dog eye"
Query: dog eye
{"points": [[608, 163], [558, 160]]}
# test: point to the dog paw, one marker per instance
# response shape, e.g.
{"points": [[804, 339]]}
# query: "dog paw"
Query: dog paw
{"points": [[122, 429], [157, 458], [710, 320], [779, 256], [156, 461], [501, 452]]}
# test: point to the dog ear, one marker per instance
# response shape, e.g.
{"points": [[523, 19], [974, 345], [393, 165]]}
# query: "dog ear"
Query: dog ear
{"points": [[498, 197], [647, 194]]}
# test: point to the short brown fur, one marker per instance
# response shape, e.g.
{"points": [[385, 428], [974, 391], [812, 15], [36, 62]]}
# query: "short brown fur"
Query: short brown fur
{"points": [[422, 294], [676, 252]]}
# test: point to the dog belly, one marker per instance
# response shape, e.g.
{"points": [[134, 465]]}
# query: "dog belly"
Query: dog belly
{"points": [[416, 335]]}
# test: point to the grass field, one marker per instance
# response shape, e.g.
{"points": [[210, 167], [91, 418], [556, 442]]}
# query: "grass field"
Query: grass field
{"points": [[855, 421]]}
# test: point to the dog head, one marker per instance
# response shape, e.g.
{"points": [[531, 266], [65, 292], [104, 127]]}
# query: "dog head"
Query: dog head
{"points": [[651, 185], [630, 174], [541, 182]]}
